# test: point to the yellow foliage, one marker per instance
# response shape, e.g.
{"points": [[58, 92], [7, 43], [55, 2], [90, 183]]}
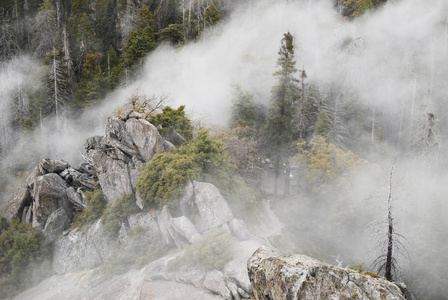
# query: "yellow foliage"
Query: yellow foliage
{"points": [[326, 165]]}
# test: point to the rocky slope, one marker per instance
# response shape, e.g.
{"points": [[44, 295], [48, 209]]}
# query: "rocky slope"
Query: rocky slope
{"points": [[154, 281], [301, 277], [54, 192]]}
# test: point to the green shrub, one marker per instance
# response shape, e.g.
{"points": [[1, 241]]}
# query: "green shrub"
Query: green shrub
{"points": [[163, 179], [96, 205], [117, 212], [170, 120], [24, 257], [212, 251], [141, 247]]}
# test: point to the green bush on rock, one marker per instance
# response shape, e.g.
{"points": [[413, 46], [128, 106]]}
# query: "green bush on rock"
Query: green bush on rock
{"points": [[24, 257], [212, 251], [96, 205]]}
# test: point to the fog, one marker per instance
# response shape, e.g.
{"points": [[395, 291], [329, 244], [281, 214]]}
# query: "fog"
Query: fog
{"points": [[393, 62]]}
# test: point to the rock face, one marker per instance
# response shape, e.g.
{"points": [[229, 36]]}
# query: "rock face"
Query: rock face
{"points": [[18, 202], [52, 194], [204, 205], [130, 141], [300, 277], [49, 194], [81, 250]]}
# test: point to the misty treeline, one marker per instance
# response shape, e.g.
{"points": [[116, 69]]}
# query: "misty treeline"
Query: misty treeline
{"points": [[58, 58]]}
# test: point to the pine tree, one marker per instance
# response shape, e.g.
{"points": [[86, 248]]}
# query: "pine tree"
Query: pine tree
{"points": [[106, 20], [57, 85], [322, 126], [8, 43], [91, 89], [142, 39], [46, 29], [282, 130]]}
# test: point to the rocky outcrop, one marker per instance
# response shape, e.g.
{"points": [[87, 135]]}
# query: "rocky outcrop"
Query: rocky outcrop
{"points": [[52, 194], [184, 227], [81, 250], [204, 205], [300, 277], [49, 194], [145, 220], [238, 229], [56, 223], [17, 203], [130, 140]]}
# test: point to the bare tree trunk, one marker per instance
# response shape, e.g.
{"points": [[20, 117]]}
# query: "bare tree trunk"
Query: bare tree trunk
{"points": [[277, 173], [335, 118], [287, 181], [401, 124], [56, 102], [373, 125], [390, 231], [446, 35], [108, 64], [413, 107], [183, 16], [189, 16], [302, 106]]}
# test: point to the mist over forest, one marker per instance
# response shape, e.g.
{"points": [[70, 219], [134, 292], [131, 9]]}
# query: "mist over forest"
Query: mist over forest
{"points": [[334, 114]]}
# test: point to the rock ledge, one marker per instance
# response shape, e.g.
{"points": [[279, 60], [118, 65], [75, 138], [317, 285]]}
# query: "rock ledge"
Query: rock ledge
{"points": [[300, 277]]}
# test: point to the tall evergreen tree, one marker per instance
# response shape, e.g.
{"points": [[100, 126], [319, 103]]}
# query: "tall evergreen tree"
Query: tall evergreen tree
{"points": [[322, 125], [142, 39], [106, 20], [282, 131], [46, 29], [58, 89]]}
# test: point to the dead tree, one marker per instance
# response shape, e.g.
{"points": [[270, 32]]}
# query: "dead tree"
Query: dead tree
{"points": [[392, 246]]}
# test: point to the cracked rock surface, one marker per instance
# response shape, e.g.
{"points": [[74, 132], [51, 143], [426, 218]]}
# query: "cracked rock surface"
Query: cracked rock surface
{"points": [[301, 277]]}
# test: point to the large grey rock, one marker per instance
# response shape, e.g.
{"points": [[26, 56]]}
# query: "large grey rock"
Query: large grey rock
{"points": [[145, 220], [16, 204], [52, 166], [81, 250], [301, 277], [184, 227], [131, 285], [27, 215], [179, 240], [145, 137], [77, 179], [176, 139], [164, 223], [115, 130], [215, 281], [212, 206], [76, 199], [86, 168], [233, 288], [49, 194], [113, 176], [57, 222], [186, 203], [30, 179], [162, 269], [238, 229], [96, 143], [236, 269]]}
